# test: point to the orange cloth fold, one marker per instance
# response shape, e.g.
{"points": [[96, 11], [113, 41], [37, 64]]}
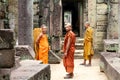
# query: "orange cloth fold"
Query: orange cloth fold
{"points": [[88, 43], [68, 61], [43, 49], [36, 33]]}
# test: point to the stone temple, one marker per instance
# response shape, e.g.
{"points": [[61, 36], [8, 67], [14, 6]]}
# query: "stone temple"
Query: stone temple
{"points": [[18, 18]]}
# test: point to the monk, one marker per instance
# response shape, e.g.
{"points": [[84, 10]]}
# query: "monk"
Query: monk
{"points": [[36, 33], [42, 42], [69, 49], [88, 44]]}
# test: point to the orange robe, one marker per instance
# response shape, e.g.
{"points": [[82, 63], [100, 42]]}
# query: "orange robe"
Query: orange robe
{"points": [[36, 33], [88, 43], [43, 49], [69, 60]]}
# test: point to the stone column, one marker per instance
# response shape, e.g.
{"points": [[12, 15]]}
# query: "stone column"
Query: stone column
{"points": [[119, 26], [25, 22], [57, 25], [112, 30]]}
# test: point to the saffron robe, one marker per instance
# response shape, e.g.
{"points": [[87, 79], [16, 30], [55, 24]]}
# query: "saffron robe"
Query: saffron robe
{"points": [[68, 61], [43, 49], [88, 43], [36, 33]]}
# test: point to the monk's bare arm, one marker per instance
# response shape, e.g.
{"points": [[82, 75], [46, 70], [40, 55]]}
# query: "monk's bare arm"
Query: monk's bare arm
{"points": [[38, 38], [68, 46]]}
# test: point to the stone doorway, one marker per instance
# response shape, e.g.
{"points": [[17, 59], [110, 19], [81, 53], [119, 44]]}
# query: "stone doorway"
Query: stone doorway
{"points": [[73, 13]]}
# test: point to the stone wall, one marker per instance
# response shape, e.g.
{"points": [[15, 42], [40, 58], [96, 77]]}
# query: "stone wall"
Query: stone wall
{"points": [[112, 31], [101, 24], [97, 16], [85, 9], [4, 21], [36, 8], [13, 15], [119, 27]]}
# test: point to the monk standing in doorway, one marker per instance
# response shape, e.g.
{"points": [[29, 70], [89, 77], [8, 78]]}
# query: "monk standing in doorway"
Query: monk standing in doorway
{"points": [[88, 44], [42, 43], [69, 49]]}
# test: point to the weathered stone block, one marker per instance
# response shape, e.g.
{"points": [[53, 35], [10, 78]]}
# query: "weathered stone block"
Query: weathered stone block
{"points": [[101, 23], [100, 1], [53, 58], [102, 17], [101, 27], [110, 64], [114, 1], [32, 72], [111, 45], [7, 58], [25, 52], [5, 77], [114, 11], [6, 39], [1, 24], [100, 34], [102, 9]]}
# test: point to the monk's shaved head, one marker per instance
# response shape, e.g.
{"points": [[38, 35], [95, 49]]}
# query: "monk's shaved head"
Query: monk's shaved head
{"points": [[44, 29], [43, 26], [68, 25], [87, 24]]}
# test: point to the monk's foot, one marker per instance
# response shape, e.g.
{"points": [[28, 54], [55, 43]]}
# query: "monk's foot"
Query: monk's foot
{"points": [[68, 76], [82, 64], [88, 65]]}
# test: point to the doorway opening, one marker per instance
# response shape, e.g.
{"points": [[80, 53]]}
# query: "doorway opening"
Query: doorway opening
{"points": [[72, 13]]}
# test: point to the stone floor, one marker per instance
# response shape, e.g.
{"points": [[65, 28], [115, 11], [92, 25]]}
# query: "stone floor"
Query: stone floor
{"points": [[80, 72]]}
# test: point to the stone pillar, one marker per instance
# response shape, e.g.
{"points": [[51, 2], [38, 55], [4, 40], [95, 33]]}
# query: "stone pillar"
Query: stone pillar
{"points": [[57, 25], [119, 25], [112, 30], [25, 22], [13, 15], [97, 16]]}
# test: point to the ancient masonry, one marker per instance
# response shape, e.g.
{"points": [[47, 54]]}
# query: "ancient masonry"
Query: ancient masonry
{"points": [[112, 30], [102, 15]]}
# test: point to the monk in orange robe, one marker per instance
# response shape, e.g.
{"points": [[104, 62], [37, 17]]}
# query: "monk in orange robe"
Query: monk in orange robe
{"points": [[36, 33], [42, 42], [88, 44], [69, 49]]}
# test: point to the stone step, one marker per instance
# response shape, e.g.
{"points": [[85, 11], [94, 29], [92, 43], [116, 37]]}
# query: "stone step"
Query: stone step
{"points": [[78, 56], [77, 41], [78, 46], [78, 51]]}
